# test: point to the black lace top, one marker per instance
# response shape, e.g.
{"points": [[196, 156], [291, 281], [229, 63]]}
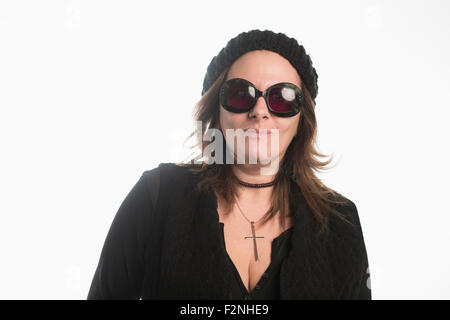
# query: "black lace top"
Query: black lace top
{"points": [[268, 286]]}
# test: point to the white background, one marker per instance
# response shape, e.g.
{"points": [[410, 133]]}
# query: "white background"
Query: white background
{"points": [[93, 93]]}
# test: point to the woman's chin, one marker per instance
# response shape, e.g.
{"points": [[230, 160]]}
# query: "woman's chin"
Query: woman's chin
{"points": [[255, 158]]}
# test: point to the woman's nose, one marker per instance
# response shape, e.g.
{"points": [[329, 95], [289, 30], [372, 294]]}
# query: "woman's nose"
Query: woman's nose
{"points": [[260, 109]]}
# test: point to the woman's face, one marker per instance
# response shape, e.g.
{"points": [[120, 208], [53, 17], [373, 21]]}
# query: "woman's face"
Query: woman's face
{"points": [[263, 68]]}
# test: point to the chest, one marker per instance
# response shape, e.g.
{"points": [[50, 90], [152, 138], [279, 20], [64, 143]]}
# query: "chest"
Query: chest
{"points": [[243, 245]]}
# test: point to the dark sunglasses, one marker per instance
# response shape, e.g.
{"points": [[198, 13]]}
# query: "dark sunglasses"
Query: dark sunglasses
{"points": [[283, 99]]}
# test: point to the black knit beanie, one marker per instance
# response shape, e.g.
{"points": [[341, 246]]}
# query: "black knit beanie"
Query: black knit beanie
{"points": [[268, 40]]}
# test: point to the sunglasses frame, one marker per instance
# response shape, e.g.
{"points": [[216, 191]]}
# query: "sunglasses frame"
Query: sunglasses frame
{"points": [[299, 98]]}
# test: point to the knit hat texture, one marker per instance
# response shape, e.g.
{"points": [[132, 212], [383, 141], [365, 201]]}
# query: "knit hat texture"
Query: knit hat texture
{"points": [[256, 39]]}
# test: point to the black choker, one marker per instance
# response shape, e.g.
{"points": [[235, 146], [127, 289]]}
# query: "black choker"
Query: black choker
{"points": [[256, 185]]}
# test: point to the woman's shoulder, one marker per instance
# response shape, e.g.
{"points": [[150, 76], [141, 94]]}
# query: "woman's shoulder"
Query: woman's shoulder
{"points": [[345, 206], [351, 228], [173, 175], [334, 200]]}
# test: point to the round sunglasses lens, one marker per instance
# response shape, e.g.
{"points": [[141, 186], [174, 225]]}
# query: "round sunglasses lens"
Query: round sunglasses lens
{"points": [[240, 95], [282, 99]]}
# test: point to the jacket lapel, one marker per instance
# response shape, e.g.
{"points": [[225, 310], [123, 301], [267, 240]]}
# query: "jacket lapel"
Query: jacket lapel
{"points": [[305, 272], [193, 264]]}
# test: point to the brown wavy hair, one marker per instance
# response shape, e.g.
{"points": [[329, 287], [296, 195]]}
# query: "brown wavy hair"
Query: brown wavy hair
{"points": [[298, 164]]}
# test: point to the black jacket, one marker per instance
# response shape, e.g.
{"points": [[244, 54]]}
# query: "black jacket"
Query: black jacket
{"points": [[167, 245]]}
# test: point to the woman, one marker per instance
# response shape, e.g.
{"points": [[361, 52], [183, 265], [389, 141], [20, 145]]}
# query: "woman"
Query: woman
{"points": [[261, 226]]}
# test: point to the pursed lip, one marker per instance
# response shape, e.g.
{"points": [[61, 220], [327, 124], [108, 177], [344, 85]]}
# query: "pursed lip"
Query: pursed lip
{"points": [[258, 130]]}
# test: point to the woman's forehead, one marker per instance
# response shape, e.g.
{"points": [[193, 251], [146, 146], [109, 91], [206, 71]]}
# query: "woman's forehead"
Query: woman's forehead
{"points": [[263, 68]]}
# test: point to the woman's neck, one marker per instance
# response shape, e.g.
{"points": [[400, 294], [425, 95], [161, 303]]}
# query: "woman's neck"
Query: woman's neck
{"points": [[252, 174]]}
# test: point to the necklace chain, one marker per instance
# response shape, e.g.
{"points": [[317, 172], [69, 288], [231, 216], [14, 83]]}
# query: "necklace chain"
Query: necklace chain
{"points": [[254, 237], [244, 214]]}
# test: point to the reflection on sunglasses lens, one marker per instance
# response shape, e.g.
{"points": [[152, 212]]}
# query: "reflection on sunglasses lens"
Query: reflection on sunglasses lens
{"points": [[282, 99], [241, 95]]}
